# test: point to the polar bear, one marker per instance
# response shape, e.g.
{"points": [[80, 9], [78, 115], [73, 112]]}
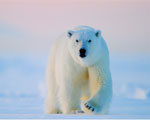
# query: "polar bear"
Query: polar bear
{"points": [[78, 73]]}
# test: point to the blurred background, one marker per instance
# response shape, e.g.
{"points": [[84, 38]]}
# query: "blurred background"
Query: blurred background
{"points": [[29, 27]]}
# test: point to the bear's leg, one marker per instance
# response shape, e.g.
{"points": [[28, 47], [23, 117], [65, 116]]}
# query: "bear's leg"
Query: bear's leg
{"points": [[69, 97], [51, 103], [85, 95], [85, 91], [100, 100], [99, 103]]}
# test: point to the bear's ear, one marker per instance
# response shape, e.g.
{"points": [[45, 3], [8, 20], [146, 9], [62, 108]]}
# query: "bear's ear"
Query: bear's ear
{"points": [[70, 33], [98, 33]]}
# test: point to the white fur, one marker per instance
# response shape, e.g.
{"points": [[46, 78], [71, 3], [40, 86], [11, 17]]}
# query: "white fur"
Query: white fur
{"points": [[75, 83]]}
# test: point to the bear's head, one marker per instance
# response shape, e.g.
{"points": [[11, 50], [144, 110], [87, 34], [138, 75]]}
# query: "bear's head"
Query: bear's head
{"points": [[85, 45]]}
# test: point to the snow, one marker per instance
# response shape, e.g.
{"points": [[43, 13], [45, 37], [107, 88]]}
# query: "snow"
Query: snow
{"points": [[19, 99], [32, 107]]}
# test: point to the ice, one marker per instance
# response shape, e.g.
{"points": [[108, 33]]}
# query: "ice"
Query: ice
{"points": [[23, 87]]}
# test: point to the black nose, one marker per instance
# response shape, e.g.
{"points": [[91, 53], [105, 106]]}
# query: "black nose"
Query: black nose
{"points": [[82, 52]]}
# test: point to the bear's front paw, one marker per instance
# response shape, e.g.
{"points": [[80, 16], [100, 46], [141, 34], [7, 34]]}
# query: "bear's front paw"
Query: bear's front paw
{"points": [[89, 106]]}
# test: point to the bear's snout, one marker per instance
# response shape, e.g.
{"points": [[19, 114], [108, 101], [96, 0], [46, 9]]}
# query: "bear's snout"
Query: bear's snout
{"points": [[82, 52]]}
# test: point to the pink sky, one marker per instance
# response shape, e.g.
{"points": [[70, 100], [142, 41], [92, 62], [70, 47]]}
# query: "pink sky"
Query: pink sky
{"points": [[124, 23]]}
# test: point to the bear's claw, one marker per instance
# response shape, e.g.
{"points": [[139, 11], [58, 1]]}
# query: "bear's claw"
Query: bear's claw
{"points": [[89, 107]]}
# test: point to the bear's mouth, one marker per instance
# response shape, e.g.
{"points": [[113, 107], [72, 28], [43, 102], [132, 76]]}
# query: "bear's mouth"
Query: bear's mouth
{"points": [[82, 55]]}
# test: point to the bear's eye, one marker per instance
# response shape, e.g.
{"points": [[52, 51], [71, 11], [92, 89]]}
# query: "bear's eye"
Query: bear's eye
{"points": [[77, 40], [89, 41]]}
